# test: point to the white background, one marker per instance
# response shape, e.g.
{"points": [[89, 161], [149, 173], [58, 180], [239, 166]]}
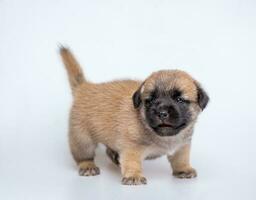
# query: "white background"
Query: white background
{"points": [[214, 40]]}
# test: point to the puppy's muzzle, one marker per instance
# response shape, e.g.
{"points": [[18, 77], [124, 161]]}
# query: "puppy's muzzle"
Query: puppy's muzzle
{"points": [[169, 116]]}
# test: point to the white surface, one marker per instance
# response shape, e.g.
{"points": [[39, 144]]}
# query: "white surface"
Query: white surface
{"points": [[213, 40]]}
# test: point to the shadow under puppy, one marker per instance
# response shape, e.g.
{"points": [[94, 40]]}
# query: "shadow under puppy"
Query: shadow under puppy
{"points": [[135, 120]]}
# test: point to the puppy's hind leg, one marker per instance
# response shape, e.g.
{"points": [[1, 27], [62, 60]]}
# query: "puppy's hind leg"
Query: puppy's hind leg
{"points": [[113, 155], [83, 150]]}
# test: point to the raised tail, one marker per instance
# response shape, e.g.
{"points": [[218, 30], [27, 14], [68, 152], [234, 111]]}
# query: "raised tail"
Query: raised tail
{"points": [[75, 73]]}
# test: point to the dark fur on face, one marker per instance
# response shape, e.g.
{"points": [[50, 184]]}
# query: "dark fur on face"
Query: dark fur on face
{"points": [[167, 112]]}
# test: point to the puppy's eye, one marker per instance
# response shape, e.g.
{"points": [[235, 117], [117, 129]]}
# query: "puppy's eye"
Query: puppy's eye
{"points": [[180, 100], [148, 101]]}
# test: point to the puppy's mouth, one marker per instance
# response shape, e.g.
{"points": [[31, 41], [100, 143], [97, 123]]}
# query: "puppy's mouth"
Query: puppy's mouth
{"points": [[165, 125]]}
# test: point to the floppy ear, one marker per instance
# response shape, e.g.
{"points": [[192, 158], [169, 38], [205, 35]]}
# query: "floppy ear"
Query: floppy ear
{"points": [[136, 98], [202, 97]]}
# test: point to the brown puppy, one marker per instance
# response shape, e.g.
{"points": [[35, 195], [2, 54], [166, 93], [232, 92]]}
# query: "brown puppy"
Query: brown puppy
{"points": [[135, 120]]}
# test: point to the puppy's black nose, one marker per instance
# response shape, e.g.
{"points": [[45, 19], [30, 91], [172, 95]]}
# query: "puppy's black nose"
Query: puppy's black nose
{"points": [[163, 115]]}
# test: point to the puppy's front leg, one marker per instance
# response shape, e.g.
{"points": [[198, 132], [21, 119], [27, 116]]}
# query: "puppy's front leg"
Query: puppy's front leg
{"points": [[180, 163], [131, 167]]}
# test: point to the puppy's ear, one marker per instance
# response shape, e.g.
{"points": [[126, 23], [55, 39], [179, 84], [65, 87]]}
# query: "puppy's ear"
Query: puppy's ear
{"points": [[202, 97], [136, 98]]}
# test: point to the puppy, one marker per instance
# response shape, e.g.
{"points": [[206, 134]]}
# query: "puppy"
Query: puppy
{"points": [[135, 120]]}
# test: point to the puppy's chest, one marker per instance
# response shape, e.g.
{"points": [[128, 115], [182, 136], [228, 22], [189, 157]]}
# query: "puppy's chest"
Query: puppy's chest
{"points": [[165, 146]]}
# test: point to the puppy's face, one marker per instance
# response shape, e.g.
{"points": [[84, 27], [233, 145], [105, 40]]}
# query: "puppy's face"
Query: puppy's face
{"points": [[169, 101]]}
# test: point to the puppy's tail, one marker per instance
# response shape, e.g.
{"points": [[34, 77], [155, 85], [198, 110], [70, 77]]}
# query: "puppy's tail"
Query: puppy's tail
{"points": [[75, 73]]}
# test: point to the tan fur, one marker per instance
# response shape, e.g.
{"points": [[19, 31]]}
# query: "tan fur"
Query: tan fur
{"points": [[180, 163], [72, 66], [169, 79], [104, 113]]}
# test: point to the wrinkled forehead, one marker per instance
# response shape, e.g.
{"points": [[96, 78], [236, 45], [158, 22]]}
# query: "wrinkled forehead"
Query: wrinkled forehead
{"points": [[167, 81]]}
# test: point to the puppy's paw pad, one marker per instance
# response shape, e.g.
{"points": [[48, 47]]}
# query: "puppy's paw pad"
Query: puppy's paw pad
{"points": [[189, 173], [137, 180], [89, 171]]}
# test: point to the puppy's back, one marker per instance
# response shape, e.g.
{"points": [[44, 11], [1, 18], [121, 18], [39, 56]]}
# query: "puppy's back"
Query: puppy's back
{"points": [[98, 108]]}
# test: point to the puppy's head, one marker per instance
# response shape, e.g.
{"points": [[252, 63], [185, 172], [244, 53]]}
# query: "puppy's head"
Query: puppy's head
{"points": [[169, 101]]}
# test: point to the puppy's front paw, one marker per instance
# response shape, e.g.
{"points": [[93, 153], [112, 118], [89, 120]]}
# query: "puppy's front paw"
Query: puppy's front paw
{"points": [[89, 171], [134, 180], [187, 173]]}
